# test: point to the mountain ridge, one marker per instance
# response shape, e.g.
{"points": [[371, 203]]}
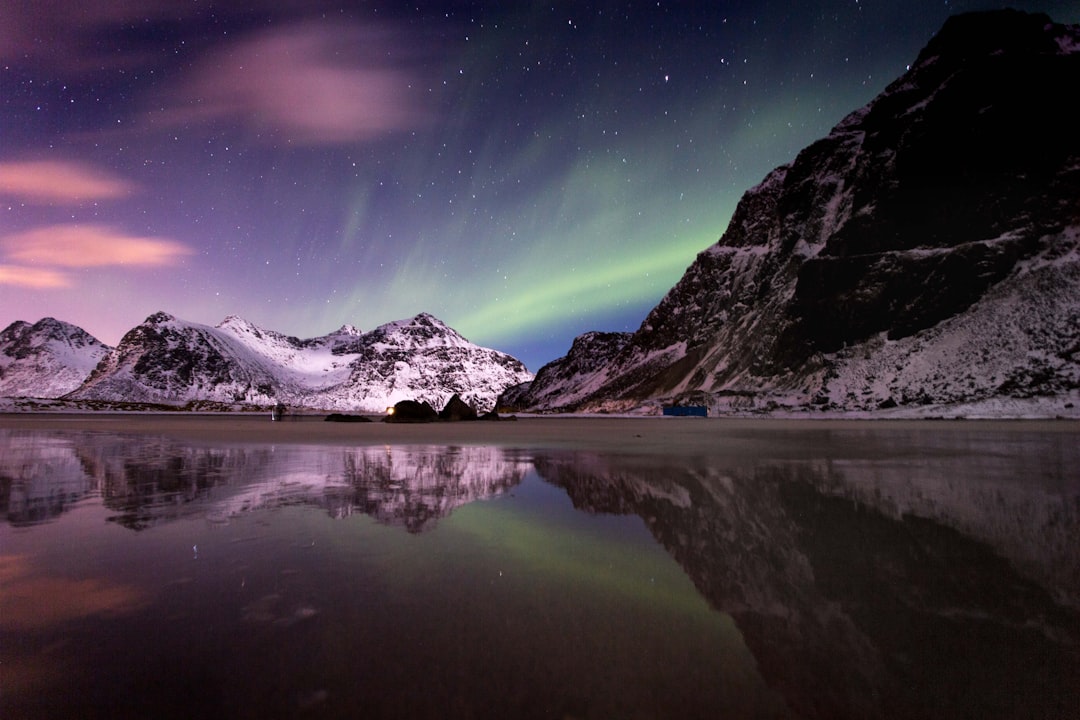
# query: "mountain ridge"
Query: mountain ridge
{"points": [[924, 254], [169, 361]]}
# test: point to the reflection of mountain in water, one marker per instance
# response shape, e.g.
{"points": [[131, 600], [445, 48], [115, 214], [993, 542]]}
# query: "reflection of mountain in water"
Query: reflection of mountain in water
{"points": [[873, 589], [146, 480], [927, 577], [40, 477], [415, 486]]}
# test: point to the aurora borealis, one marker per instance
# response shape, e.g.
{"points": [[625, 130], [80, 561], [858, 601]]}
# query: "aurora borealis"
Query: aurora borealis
{"points": [[523, 171]]}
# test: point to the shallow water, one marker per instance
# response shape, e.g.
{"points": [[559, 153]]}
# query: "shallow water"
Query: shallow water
{"points": [[878, 572]]}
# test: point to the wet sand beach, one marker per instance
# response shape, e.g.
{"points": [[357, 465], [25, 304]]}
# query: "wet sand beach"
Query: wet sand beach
{"points": [[549, 566], [630, 434]]}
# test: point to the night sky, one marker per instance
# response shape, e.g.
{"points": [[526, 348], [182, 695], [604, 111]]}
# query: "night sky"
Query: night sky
{"points": [[523, 171]]}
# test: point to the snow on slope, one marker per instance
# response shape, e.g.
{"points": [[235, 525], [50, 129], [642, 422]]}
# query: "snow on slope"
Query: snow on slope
{"points": [[1033, 337], [47, 359], [167, 360], [421, 359], [309, 363]]}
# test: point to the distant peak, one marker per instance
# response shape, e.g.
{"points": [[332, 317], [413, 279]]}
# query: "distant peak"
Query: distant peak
{"points": [[51, 325], [989, 32], [347, 329], [234, 321], [159, 317], [16, 326]]}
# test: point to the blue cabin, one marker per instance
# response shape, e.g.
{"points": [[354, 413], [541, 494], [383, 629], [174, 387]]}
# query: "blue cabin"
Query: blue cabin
{"points": [[686, 411]]}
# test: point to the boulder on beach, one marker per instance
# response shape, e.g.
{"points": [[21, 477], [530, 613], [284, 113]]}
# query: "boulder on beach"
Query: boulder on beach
{"points": [[457, 409], [411, 411], [342, 417]]}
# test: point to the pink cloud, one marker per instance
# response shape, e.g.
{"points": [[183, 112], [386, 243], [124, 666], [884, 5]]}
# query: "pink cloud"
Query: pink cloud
{"points": [[33, 278], [310, 83], [47, 181], [68, 598], [89, 246]]}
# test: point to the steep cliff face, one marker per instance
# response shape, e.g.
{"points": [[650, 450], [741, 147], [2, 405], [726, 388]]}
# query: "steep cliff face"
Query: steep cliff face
{"points": [[168, 360], [46, 359], [926, 251]]}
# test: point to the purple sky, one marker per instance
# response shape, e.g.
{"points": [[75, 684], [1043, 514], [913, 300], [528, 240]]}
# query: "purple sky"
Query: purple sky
{"points": [[524, 174]]}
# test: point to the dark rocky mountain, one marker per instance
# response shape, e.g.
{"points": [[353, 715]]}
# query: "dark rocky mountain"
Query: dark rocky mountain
{"points": [[47, 359], [558, 382], [172, 361], [926, 253]]}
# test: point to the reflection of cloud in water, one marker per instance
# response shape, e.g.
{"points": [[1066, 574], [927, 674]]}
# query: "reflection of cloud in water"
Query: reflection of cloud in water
{"points": [[149, 480], [33, 601]]}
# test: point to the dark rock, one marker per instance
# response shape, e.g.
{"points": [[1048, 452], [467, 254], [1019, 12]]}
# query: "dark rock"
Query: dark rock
{"points": [[342, 417], [411, 411], [457, 409]]}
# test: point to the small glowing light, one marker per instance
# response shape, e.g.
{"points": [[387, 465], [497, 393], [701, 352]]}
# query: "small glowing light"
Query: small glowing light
{"points": [[389, 411]]}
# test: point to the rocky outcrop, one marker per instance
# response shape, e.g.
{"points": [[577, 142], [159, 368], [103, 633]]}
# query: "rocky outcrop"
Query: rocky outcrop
{"points": [[927, 251], [411, 411], [457, 409]]}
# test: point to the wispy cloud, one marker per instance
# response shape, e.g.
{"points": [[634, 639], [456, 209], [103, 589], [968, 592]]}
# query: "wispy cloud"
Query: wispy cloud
{"points": [[33, 278], [81, 246], [61, 182], [54, 34], [310, 83]]}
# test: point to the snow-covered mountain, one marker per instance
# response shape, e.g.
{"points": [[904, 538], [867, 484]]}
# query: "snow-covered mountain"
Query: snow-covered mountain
{"points": [[172, 361], [47, 359], [924, 255]]}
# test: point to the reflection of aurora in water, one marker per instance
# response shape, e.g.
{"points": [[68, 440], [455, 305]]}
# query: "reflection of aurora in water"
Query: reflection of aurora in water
{"points": [[868, 589], [898, 575]]}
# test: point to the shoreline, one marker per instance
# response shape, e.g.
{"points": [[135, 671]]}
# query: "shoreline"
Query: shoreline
{"points": [[571, 432]]}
